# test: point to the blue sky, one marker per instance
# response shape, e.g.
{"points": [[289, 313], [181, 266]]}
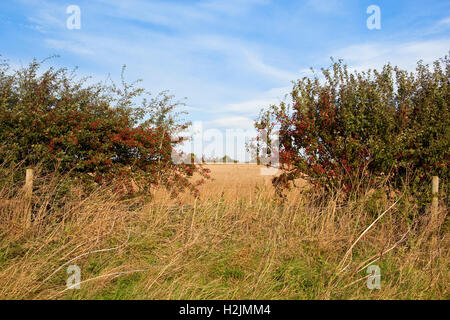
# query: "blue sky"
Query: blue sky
{"points": [[229, 58]]}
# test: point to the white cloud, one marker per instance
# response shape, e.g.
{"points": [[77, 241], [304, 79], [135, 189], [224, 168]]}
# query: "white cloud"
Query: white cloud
{"points": [[178, 15], [70, 46], [231, 7], [158, 60], [188, 108], [230, 123], [325, 6], [444, 22], [258, 65], [405, 55], [264, 100], [45, 18]]}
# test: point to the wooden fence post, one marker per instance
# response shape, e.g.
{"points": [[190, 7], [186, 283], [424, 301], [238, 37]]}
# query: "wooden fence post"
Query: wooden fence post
{"points": [[435, 192], [28, 188]]}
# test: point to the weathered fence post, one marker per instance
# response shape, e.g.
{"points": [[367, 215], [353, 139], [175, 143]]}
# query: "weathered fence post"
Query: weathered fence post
{"points": [[29, 183], [435, 202], [28, 189]]}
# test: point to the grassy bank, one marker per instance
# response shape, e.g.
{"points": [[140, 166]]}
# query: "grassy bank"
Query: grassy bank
{"points": [[218, 248]]}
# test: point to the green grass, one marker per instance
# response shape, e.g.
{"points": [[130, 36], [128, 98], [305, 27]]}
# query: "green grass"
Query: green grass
{"points": [[227, 250]]}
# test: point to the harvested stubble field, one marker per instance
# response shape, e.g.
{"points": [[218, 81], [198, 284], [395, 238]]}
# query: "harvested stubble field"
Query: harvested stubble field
{"points": [[237, 241], [233, 182]]}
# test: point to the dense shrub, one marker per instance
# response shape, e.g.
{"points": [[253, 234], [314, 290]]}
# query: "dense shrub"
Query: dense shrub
{"points": [[96, 132], [356, 130]]}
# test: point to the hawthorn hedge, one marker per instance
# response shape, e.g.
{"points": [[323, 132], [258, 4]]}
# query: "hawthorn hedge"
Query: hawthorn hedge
{"points": [[356, 130], [98, 132]]}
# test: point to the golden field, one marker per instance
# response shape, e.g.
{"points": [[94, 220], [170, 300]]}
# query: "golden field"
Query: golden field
{"points": [[232, 182]]}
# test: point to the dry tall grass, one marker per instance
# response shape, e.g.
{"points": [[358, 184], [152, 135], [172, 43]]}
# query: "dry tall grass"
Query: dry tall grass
{"points": [[222, 246]]}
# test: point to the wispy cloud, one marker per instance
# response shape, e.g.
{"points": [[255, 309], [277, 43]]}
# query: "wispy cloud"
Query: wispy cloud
{"points": [[326, 6], [235, 122], [253, 106], [264, 69], [45, 18], [444, 22], [69, 46], [405, 54], [232, 7], [181, 15]]}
